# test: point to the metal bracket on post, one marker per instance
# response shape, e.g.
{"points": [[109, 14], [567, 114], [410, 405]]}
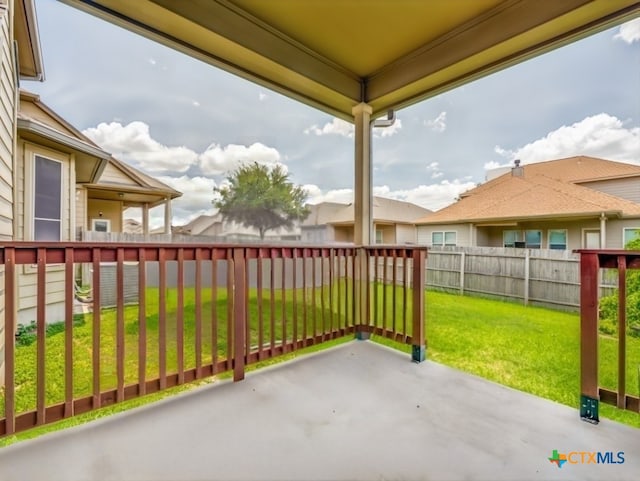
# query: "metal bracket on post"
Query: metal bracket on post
{"points": [[418, 353], [589, 409]]}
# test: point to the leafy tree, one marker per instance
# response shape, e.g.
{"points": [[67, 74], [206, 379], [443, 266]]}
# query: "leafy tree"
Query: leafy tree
{"points": [[609, 304], [261, 197]]}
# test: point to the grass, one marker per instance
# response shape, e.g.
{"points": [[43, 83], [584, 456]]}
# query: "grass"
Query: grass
{"points": [[531, 349]]}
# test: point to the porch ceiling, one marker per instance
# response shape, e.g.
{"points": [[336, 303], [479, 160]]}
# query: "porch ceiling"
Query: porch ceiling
{"points": [[129, 195], [334, 54]]}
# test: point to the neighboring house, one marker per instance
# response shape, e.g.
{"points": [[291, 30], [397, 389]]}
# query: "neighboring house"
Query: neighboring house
{"points": [[572, 203], [333, 222], [216, 226], [20, 59], [65, 189]]}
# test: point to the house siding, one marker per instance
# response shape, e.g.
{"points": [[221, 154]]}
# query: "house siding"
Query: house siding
{"points": [[463, 237], [628, 188], [615, 231], [405, 234], [7, 133], [81, 209], [113, 175], [111, 210]]}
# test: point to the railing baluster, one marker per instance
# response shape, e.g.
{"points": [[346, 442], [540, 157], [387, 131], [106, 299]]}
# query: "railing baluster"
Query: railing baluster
{"points": [[240, 313], [230, 307], [68, 331], [294, 331], [313, 294], [95, 354], [214, 312], [142, 322], [162, 318], [9, 338], [622, 331], [272, 303], [304, 297], [41, 306], [198, 306], [120, 324], [283, 299], [405, 287], [385, 271], [376, 294], [260, 311], [589, 336], [180, 317]]}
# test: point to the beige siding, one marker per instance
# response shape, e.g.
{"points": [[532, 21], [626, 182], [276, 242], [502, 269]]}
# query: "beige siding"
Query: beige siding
{"points": [[113, 175], [615, 231], [7, 132], [405, 234], [626, 188], [81, 208], [111, 210]]}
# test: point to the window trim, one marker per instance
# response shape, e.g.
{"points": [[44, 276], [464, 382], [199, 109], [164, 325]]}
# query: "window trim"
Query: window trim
{"points": [[29, 218], [99, 219], [444, 238], [519, 237], [624, 230], [566, 238], [526, 244]]}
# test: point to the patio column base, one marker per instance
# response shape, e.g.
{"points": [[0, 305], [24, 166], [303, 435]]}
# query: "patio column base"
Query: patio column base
{"points": [[418, 353], [363, 335], [589, 409]]}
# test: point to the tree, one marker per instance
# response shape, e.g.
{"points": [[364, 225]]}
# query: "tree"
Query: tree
{"points": [[261, 197]]}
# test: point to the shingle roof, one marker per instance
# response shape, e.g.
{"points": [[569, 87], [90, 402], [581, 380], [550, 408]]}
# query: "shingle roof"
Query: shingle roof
{"points": [[384, 210], [546, 190]]}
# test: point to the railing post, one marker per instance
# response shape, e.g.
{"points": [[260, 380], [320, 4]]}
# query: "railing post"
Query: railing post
{"points": [[239, 313], [418, 333], [589, 396], [361, 297]]}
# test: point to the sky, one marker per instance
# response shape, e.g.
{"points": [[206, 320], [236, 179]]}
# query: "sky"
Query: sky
{"points": [[189, 124]]}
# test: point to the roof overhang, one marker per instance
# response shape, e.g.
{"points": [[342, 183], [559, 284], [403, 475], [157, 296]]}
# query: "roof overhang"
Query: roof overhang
{"points": [[334, 54], [130, 195], [515, 221], [90, 160], [26, 35]]}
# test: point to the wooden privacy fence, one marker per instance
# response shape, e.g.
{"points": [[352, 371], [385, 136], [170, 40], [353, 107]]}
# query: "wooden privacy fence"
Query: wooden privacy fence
{"points": [[270, 301], [591, 261], [534, 276]]}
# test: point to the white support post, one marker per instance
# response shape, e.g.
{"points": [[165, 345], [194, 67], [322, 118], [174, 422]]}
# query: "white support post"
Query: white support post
{"points": [[603, 231], [167, 216], [145, 219], [362, 194]]}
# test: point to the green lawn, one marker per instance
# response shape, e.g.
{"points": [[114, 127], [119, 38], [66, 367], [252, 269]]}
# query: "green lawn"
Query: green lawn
{"points": [[531, 349]]}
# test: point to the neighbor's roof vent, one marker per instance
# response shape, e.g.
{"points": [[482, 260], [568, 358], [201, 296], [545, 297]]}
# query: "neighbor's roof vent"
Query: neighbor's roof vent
{"points": [[517, 171]]}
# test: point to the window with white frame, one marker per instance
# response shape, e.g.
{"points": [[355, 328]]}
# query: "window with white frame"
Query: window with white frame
{"points": [[511, 238], [533, 239], [47, 199], [444, 238], [629, 234], [101, 225], [558, 239], [379, 236]]}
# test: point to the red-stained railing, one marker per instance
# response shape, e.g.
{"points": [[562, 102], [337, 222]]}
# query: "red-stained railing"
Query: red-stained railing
{"points": [[201, 310], [591, 261]]}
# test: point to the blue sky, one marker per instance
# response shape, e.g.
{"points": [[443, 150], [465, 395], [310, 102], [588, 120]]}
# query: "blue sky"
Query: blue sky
{"points": [[188, 123]]}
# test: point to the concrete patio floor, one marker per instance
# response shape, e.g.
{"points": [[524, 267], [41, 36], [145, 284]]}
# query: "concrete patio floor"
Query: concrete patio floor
{"points": [[357, 411]]}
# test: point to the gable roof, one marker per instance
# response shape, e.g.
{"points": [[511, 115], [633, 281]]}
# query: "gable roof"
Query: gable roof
{"points": [[384, 210], [546, 190]]}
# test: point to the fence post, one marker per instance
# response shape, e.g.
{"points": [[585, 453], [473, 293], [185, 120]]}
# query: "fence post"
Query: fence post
{"points": [[462, 261], [527, 266], [589, 396], [239, 313], [418, 333]]}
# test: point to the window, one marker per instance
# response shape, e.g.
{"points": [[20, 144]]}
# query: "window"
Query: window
{"points": [[630, 233], [101, 225], [512, 238], [533, 239], [379, 236], [558, 239], [447, 238], [47, 203]]}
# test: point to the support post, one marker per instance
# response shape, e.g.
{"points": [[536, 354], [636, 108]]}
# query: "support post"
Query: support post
{"points": [[167, 216], [418, 332], [589, 397], [361, 297], [145, 219], [362, 196]]}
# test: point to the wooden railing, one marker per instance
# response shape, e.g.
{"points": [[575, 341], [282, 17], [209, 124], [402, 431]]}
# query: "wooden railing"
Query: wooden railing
{"points": [[591, 261], [216, 308]]}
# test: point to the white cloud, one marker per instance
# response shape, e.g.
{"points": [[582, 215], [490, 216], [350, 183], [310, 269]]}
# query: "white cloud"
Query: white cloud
{"points": [[152, 61], [434, 197], [197, 194], [335, 127], [439, 124], [629, 32], [133, 142], [218, 160], [600, 135], [195, 103], [262, 96]]}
